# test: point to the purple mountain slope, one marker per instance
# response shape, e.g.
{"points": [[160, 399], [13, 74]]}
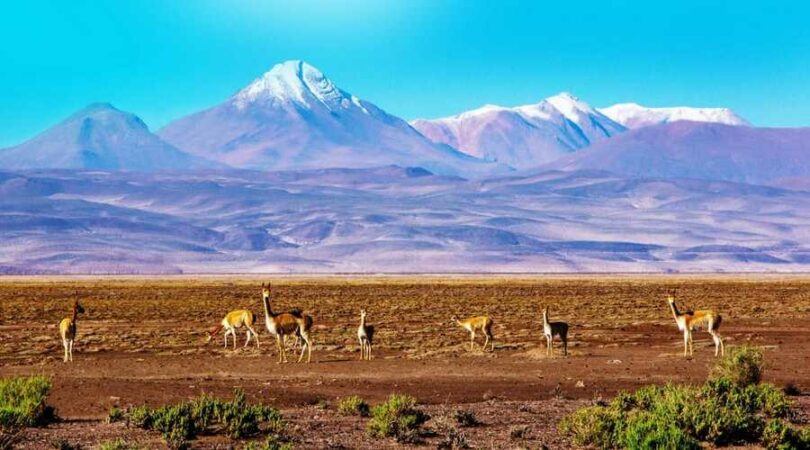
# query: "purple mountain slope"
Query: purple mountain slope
{"points": [[293, 117], [100, 137], [700, 150], [523, 137], [394, 219]]}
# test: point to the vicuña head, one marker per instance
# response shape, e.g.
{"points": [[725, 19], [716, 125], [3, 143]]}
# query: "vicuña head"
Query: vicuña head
{"points": [[266, 290]]}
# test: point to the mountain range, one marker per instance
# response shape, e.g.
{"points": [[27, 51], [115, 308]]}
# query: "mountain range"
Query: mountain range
{"points": [[294, 174], [525, 136], [295, 118]]}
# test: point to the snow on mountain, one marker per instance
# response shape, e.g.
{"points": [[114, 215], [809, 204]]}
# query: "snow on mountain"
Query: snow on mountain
{"points": [[633, 115], [708, 151], [294, 117], [99, 137], [524, 136]]}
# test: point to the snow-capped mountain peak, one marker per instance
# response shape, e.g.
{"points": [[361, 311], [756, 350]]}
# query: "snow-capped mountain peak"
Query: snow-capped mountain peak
{"points": [[294, 117], [570, 106], [294, 81], [633, 115], [524, 136]]}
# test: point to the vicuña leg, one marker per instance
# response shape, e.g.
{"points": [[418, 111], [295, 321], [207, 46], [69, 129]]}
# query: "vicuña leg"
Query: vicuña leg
{"points": [[282, 354], [686, 343], [255, 336], [306, 345], [718, 343]]}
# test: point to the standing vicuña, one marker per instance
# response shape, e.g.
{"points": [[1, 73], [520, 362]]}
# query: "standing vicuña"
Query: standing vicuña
{"points": [[688, 321], [551, 329], [365, 334], [285, 324], [234, 320], [307, 325], [483, 323], [67, 329]]}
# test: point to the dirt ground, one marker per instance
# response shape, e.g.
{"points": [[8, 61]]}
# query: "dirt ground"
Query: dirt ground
{"points": [[143, 340]]}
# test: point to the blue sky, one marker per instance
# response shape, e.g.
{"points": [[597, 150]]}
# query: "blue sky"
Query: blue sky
{"points": [[414, 58]]}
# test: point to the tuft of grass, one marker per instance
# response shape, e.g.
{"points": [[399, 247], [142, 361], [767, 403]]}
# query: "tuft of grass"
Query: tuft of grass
{"points": [[272, 443], [791, 390], [453, 440], [64, 444], [399, 418], [8, 439], [518, 431], [466, 418], [182, 422], [353, 406], [722, 411], [22, 403], [118, 444], [116, 414], [743, 366], [139, 416]]}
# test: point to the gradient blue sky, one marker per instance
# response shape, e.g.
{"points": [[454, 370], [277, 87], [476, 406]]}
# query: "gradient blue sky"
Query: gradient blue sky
{"points": [[414, 58]]}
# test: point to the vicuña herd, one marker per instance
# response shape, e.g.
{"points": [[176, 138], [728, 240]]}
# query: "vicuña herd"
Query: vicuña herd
{"points": [[297, 324]]}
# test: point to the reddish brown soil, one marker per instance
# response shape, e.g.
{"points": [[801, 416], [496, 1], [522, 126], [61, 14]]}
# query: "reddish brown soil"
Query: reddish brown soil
{"points": [[143, 341]]}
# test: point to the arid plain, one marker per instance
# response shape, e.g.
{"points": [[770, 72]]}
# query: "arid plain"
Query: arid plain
{"points": [[143, 341]]}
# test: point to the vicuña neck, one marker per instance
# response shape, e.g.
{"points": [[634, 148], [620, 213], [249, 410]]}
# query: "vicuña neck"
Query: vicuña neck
{"points": [[675, 311], [268, 311]]}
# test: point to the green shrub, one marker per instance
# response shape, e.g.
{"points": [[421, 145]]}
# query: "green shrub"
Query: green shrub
{"points": [[722, 411], [115, 415], [743, 366], [182, 422], [593, 425], [272, 443], [778, 435], [140, 416], [398, 418], [22, 403], [353, 406], [648, 431], [118, 444]]}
